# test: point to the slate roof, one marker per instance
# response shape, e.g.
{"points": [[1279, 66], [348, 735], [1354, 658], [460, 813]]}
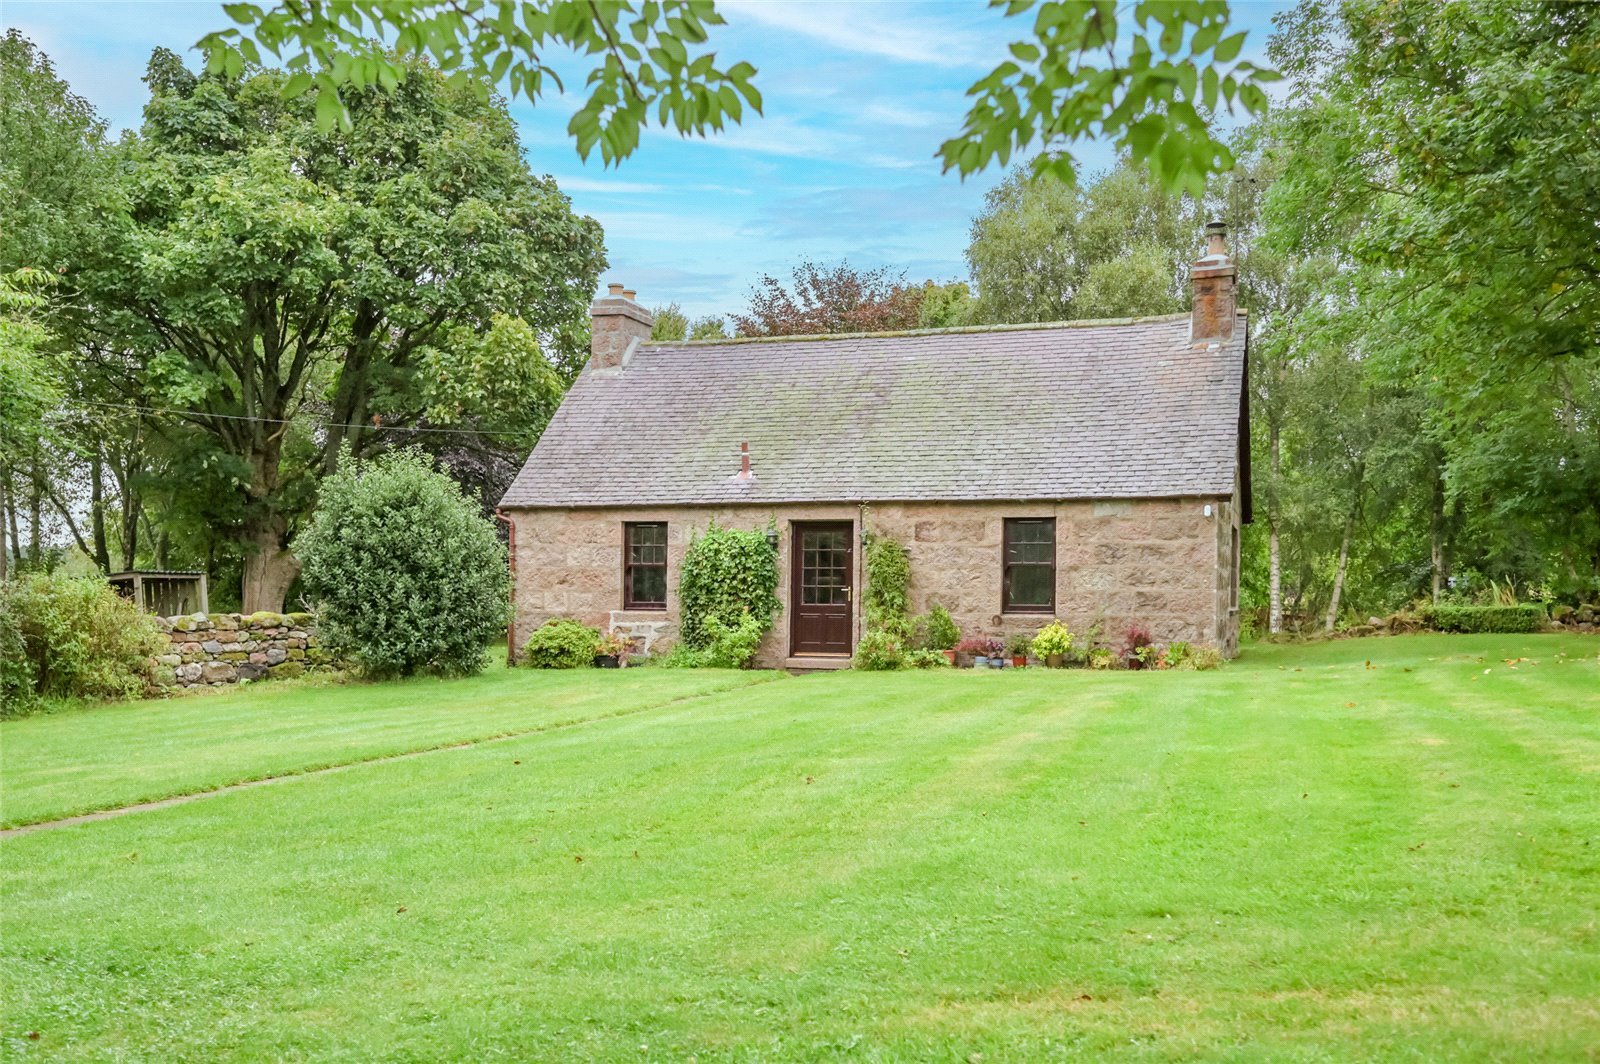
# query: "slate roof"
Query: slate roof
{"points": [[1078, 410]]}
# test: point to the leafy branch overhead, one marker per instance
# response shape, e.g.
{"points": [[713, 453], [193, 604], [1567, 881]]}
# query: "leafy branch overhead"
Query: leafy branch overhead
{"points": [[1052, 92], [1151, 96], [653, 61]]}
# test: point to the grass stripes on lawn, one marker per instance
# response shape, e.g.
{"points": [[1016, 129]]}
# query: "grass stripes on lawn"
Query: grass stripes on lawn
{"points": [[102, 757], [1298, 858]]}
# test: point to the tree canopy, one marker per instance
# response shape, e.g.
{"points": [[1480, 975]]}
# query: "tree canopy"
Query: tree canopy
{"points": [[837, 298], [1044, 250], [262, 294], [1169, 66]]}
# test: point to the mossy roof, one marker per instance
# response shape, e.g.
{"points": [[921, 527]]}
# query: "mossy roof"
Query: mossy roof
{"points": [[1094, 410]]}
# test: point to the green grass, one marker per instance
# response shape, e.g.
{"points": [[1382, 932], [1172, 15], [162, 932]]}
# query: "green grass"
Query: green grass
{"points": [[99, 757], [1298, 858]]}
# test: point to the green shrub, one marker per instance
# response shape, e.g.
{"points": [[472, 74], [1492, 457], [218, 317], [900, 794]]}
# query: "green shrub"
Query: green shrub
{"points": [[1527, 617], [880, 651], [1201, 659], [70, 637], [1053, 638], [1176, 655], [727, 573], [733, 645], [561, 644], [17, 695], [1019, 645], [684, 656], [927, 659], [887, 596], [943, 634], [407, 574]]}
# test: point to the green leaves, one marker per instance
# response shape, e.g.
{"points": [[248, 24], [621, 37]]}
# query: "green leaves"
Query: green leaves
{"points": [[1069, 86], [727, 575], [651, 67]]}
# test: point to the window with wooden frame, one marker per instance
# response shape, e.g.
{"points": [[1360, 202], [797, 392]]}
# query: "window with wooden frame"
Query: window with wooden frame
{"points": [[644, 565], [1030, 565]]}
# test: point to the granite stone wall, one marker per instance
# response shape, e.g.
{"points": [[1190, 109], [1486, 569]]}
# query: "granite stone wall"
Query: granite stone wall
{"points": [[1163, 563], [216, 649]]}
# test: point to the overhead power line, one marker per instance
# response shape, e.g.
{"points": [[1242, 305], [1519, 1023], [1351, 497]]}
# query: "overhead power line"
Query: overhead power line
{"points": [[299, 417]]}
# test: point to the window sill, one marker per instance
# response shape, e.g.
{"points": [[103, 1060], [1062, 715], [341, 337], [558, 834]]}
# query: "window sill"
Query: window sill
{"points": [[1046, 611], [644, 609]]}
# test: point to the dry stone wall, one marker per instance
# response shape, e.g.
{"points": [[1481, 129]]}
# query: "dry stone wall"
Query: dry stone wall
{"points": [[216, 649]]}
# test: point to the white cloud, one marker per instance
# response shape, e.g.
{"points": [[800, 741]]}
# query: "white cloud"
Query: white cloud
{"points": [[622, 188], [890, 31], [895, 114]]}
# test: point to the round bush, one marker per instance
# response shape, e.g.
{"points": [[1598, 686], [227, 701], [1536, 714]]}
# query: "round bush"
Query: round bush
{"points": [[407, 574], [562, 644], [70, 637]]}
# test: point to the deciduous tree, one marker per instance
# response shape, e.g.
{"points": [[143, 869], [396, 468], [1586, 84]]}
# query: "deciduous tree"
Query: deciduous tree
{"points": [[288, 292], [830, 299]]}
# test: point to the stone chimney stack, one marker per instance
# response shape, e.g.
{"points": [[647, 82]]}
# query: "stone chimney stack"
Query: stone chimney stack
{"points": [[617, 326], [1213, 278]]}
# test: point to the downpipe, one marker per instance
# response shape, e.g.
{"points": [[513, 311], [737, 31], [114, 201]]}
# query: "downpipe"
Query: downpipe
{"points": [[511, 559]]}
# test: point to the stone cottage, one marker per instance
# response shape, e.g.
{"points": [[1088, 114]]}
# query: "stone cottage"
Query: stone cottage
{"points": [[1087, 470]]}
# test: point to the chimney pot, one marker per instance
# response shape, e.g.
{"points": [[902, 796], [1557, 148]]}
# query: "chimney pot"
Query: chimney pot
{"points": [[744, 463], [1212, 280], [1216, 238], [615, 289], [629, 293]]}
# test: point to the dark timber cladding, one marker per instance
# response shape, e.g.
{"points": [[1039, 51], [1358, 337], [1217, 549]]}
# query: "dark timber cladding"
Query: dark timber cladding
{"points": [[823, 564]]}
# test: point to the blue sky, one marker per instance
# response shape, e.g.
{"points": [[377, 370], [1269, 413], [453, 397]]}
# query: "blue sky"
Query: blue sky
{"points": [[858, 96]]}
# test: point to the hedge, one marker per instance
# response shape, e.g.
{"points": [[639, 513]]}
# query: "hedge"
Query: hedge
{"points": [[1526, 617]]}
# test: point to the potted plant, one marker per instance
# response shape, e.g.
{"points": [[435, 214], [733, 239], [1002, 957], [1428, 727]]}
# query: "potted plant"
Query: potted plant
{"points": [[943, 635], [995, 651], [609, 652], [1053, 643], [1101, 658], [1138, 649], [1019, 646], [974, 648]]}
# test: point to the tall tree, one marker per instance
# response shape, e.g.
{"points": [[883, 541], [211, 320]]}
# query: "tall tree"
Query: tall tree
{"points": [[1043, 250], [1446, 153], [51, 178], [291, 293], [830, 299]]}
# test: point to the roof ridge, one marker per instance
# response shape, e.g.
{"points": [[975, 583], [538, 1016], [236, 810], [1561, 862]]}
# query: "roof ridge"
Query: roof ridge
{"points": [[954, 330]]}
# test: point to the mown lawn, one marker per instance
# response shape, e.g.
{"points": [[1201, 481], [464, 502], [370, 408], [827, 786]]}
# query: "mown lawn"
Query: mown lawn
{"points": [[1369, 850], [100, 757]]}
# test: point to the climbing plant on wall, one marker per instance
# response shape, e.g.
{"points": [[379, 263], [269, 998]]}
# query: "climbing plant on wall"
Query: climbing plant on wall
{"points": [[887, 597], [726, 573]]}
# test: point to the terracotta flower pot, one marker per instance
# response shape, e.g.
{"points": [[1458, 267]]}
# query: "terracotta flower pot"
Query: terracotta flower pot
{"points": [[950, 656], [1019, 661]]}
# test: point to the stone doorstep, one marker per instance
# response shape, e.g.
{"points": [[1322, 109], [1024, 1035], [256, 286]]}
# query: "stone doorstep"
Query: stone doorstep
{"points": [[816, 664]]}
